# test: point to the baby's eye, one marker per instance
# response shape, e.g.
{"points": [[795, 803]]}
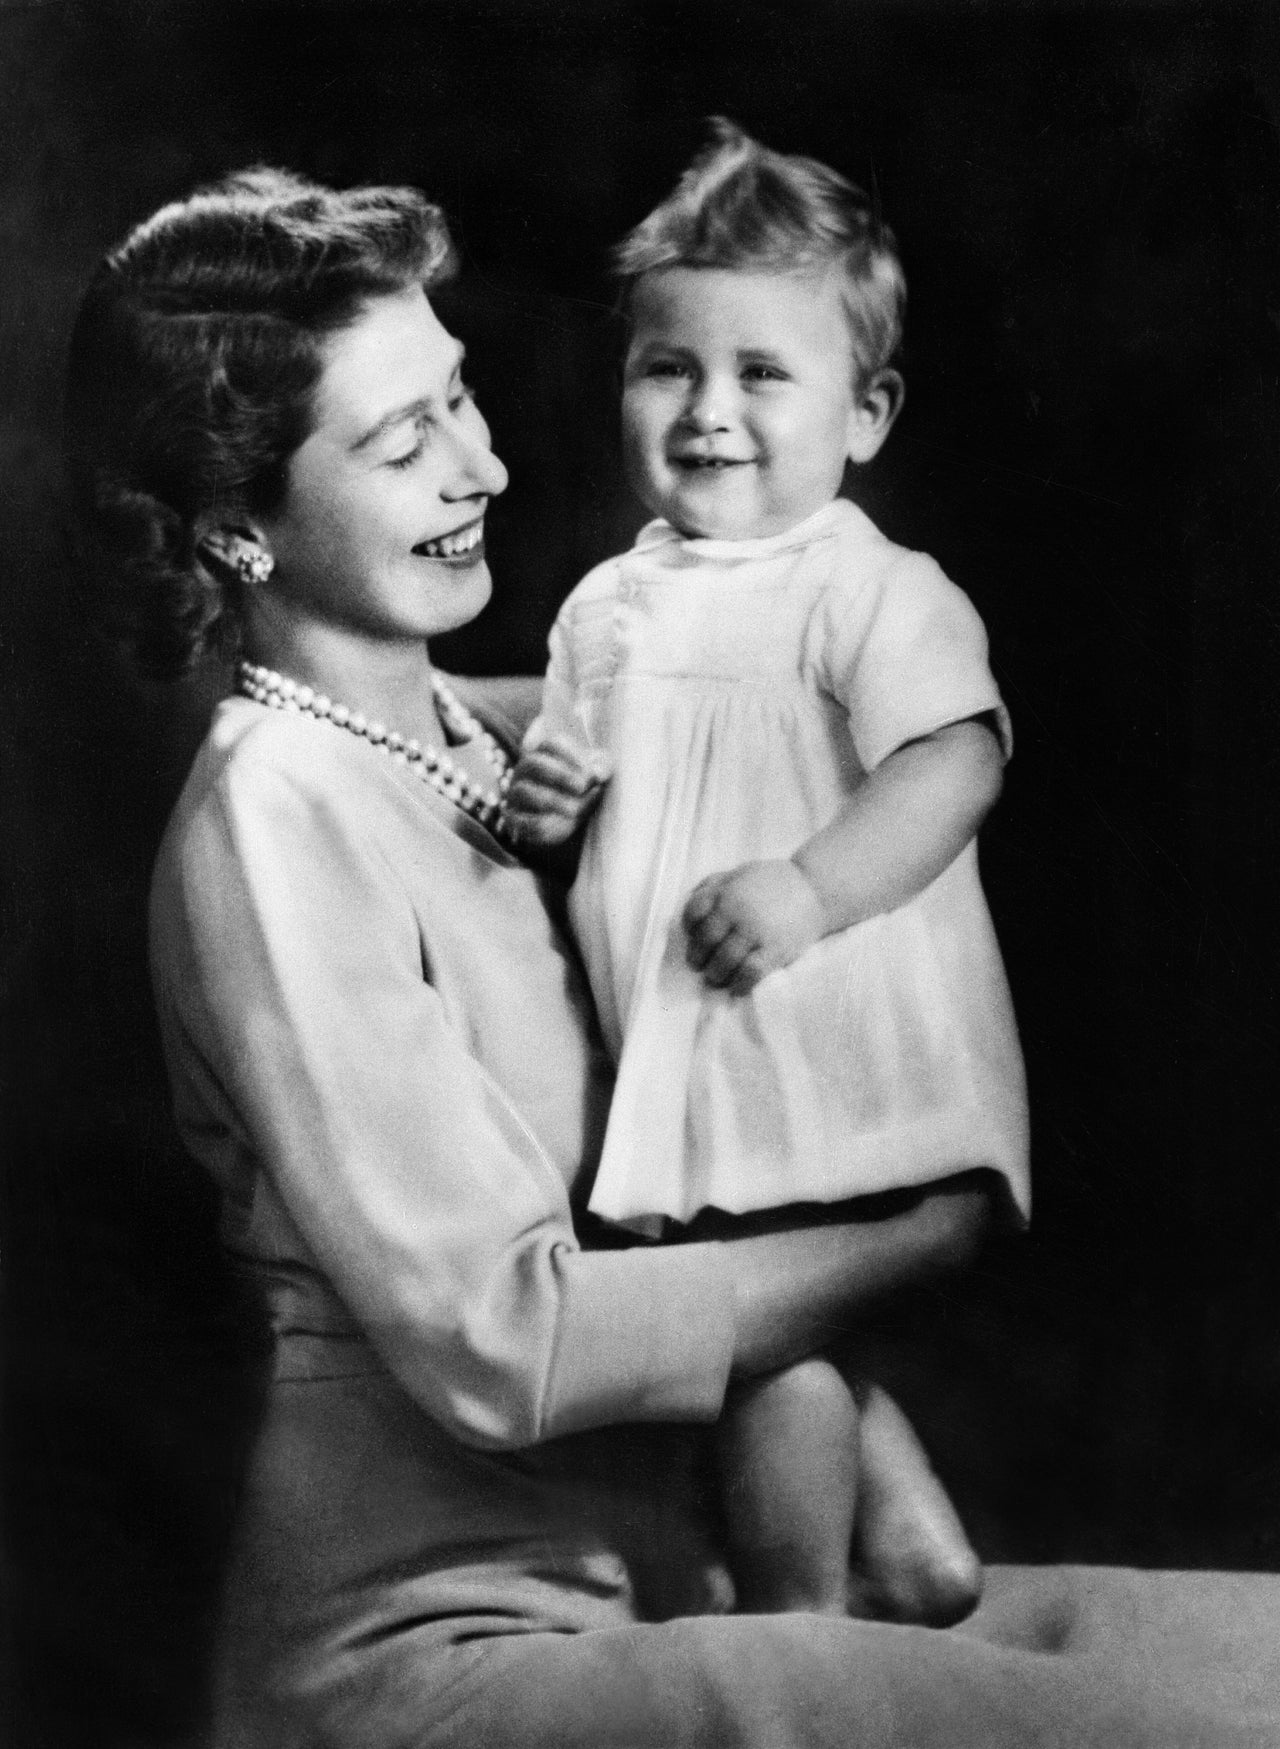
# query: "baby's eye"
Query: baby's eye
{"points": [[666, 367], [764, 373]]}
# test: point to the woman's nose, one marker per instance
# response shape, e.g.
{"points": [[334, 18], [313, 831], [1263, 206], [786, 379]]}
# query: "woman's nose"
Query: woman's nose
{"points": [[479, 473]]}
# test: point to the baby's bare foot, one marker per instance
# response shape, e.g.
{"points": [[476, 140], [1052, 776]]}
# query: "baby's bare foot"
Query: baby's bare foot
{"points": [[913, 1561]]}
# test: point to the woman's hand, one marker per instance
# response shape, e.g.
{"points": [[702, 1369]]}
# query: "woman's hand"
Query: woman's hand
{"points": [[554, 787], [751, 921]]}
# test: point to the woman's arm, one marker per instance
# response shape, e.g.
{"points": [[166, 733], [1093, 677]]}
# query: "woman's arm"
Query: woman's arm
{"points": [[804, 1289], [906, 822], [331, 1035]]}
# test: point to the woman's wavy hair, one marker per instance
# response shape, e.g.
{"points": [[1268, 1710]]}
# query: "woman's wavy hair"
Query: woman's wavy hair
{"points": [[744, 207], [192, 371]]}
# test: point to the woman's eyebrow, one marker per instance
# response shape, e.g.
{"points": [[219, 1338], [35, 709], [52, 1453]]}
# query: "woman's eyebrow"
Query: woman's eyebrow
{"points": [[397, 416], [409, 410]]}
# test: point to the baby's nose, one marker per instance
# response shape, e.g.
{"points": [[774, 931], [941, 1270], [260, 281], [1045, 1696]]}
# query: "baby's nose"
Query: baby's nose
{"points": [[709, 407]]}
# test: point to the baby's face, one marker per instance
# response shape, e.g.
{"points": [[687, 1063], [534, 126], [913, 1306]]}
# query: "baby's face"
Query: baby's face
{"points": [[739, 405]]}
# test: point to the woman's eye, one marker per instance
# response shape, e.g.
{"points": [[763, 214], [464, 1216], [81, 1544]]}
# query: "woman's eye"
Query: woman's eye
{"points": [[408, 458], [462, 396]]}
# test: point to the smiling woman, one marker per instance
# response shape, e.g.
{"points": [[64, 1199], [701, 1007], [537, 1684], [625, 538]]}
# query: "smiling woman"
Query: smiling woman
{"points": [[379, 539]]}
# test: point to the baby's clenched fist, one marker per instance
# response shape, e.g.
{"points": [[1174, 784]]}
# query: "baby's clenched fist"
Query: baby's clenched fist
{"points": [[750, 921], [554, 787]]}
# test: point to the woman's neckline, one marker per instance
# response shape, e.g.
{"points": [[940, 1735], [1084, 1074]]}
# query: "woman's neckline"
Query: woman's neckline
{"points": [[458, 785]]}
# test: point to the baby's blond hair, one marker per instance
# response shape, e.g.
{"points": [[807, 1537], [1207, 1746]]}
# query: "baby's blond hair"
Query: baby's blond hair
{"points": [[741, 206]]}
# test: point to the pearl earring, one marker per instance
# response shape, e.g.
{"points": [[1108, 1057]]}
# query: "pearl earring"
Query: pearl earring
{"points": [[251, 563]]}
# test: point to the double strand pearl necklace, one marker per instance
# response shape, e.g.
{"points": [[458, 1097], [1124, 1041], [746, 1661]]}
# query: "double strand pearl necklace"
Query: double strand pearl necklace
{"points": [[434, 768]]}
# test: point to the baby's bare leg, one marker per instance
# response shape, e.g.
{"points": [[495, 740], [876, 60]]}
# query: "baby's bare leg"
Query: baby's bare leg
{"points": [[914, 1561], [788, 1449]]}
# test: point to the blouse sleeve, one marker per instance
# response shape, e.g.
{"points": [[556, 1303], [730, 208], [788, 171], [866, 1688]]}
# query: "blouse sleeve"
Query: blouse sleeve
{"points": [[906, 655], [289, 957]]}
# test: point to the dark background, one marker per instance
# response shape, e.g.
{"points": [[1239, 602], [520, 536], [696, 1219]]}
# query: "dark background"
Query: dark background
{"points": [[1088, 199]]}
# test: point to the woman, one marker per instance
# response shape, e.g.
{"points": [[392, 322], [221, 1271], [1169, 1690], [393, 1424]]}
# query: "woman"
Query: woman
{"points": [[471, 1516]]}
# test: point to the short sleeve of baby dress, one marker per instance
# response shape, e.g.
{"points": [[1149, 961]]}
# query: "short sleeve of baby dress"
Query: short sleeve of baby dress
{"points": [[906, 655], [742, 691]]}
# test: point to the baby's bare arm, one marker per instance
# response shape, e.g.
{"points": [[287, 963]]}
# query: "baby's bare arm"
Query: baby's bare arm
{"points": [[907, 822], [910, 820]]}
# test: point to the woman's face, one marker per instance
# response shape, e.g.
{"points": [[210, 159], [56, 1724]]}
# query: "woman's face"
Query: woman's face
{"points": [[381, 531]]}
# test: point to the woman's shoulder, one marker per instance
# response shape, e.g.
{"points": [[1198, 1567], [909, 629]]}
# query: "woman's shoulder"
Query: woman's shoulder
{"points": [[249, 746], [275, 806], [260, 774]]}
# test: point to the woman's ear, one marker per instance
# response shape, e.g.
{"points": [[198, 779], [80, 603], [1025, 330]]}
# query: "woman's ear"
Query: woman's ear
{"points": [[876, 405]]}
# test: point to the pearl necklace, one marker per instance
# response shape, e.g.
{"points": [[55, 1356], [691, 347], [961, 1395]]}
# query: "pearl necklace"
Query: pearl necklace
{"points": [[434, 768]]}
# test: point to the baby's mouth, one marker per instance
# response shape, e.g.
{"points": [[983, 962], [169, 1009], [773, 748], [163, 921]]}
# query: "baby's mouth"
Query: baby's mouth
{"points": [[709, 464], [460, 544]]}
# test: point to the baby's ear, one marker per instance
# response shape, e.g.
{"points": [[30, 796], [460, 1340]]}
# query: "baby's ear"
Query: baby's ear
{"points": [[876, 405]]}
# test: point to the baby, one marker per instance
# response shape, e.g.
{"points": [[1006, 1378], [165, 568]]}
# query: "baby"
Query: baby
{"points": [[792, 734]]}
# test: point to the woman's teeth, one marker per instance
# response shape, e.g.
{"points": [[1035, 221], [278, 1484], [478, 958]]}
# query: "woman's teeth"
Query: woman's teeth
{"points": [[452, 546]]}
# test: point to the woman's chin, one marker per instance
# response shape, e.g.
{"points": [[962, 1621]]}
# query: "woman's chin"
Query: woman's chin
{"points": [[458, 597], [476, 588]]}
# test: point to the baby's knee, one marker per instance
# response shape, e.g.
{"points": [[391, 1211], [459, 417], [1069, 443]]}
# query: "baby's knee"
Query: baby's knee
{"points": [[810, 1391], [814, 1379]]}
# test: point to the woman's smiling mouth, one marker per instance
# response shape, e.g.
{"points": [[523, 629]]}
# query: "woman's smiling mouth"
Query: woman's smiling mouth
{"points": [[464, 543]]}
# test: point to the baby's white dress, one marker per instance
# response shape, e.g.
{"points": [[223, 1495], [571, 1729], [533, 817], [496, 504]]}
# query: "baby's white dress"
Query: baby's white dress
{"points": [[742, 690]]}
